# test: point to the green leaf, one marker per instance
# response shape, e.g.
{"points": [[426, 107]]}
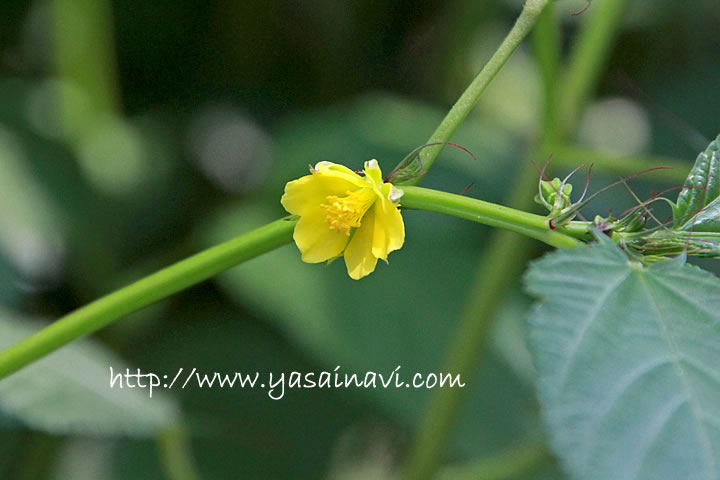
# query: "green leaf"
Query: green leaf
{"points": [[29, 228], [69, 390], [628, 362], [698, 207]]}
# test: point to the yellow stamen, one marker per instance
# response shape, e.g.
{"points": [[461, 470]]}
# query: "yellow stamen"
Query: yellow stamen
{"points": [[344, 213]]}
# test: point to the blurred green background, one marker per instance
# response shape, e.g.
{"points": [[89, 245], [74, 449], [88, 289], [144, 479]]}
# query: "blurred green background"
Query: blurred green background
{"points": [[133, 134]]}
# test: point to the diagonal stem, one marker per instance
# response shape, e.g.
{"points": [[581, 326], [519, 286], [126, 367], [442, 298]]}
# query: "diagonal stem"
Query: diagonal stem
{"points": [[507, 252], [208, 263], [144, 292], [470, 97]]}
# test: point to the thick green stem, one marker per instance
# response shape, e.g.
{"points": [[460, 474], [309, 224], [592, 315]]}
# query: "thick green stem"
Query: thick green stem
{"points": [[528, 224], [142, 293], [197, 268], [466, 102], [507, 253]]}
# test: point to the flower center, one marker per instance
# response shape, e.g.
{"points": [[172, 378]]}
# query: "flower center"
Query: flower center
{"points": [[346, 212]]}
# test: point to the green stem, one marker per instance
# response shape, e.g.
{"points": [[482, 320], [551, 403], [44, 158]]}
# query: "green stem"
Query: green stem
{"points": [[547, 48], [466, 102], [83, 57], [587, 60], [608, 162], [84, 54], [505, 464], [501, 263], [176, 455], [528, 224], [142, 293], [507, 253], [201, 266]]}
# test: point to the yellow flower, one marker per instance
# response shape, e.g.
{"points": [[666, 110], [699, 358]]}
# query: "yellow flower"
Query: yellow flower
{"points": [[343, 213]]}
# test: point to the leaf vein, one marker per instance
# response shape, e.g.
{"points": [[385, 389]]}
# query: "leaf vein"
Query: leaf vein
{"points": [[582, 331], [703, 435]]}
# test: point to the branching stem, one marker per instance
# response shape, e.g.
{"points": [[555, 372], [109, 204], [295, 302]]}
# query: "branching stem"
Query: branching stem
{"points": [[471, 95]]}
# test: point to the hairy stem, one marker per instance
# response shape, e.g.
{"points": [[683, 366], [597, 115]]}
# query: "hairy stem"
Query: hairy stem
{"points": [[466, 102]]}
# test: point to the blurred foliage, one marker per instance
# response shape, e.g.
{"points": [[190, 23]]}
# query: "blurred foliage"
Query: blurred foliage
{"points": [[60, 394], [219, 104]]}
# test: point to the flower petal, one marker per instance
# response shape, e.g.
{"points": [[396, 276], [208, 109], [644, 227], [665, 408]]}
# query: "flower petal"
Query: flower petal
{"points": [[307, 193], [389, 228], [373, 172], [316, 241], [359, 258], [334, 169]]}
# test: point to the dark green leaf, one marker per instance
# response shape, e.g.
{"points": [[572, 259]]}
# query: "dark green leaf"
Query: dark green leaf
{"points": [[698, 205]]}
